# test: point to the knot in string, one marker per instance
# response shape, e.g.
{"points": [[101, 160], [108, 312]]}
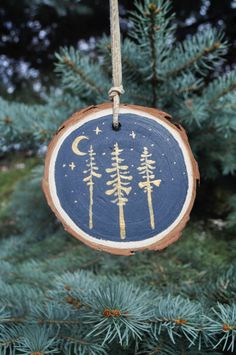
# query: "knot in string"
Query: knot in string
{"points": [[117, 89]]}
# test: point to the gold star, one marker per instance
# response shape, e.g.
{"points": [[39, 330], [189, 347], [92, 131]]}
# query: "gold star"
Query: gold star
{"points": [[72, 165], [97, 130], [133, 135]]}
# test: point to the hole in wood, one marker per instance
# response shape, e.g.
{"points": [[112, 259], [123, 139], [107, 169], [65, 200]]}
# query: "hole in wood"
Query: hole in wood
{"points": [[116, 128]]}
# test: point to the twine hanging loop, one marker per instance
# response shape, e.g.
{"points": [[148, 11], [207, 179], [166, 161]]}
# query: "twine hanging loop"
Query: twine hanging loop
{"points": [[117, 89]]}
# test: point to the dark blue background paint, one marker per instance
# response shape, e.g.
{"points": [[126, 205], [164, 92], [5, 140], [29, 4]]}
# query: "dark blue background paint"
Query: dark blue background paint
{"points": [[168, 198]]}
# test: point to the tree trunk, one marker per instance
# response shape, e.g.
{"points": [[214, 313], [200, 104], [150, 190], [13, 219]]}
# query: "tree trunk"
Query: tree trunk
{"points": [[91, 207], [150, 207], [122, 222]]}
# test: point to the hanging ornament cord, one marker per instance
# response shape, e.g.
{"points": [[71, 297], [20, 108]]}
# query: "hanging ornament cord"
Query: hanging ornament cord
{"points": [[117, 88]]}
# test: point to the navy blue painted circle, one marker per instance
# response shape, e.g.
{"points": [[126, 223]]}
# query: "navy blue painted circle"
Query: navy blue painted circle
{"points": [[140, 206]]}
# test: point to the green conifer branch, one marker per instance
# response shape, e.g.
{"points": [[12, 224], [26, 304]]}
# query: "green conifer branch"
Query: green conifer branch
{"points": [[203, 54], [12, 320], [81, 74], [58, 321], [224, 92]]}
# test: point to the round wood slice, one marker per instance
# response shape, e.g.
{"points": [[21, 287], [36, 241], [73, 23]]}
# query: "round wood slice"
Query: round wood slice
{"points": [[121, 191]]}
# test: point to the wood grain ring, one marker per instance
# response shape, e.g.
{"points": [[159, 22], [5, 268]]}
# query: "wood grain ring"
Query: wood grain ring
{"points": [[104, 245]]}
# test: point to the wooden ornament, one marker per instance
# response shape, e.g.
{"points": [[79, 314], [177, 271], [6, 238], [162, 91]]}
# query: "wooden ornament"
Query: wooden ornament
{"points": [[121, 191]]}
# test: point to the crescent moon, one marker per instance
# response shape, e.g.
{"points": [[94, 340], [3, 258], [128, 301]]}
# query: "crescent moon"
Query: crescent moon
{"points": [[75, 145]]}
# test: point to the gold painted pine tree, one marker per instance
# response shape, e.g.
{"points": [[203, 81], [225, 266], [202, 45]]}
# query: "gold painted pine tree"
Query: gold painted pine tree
{"points": [[146, 170], [120, 185], [92, 173]]}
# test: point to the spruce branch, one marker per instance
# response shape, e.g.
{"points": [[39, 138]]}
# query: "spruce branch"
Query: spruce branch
{"points": [[74, 344], [223, 325], [131, 59], [152, 29], [12, 320], [220, 87], [54, 315], [9, 337], [223, 289], [200, 53], [226, 106], [37, 340], [79, 74], [33, 125], [185, 320], [58, 322], [118, 313]]}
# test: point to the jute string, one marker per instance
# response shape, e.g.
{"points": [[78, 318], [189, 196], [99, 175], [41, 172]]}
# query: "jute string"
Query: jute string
{"points": [[117, 89]]}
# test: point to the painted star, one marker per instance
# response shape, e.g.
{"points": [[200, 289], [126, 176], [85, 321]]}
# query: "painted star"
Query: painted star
{"points": [[72, 165], [97, 131], [133, 135]]}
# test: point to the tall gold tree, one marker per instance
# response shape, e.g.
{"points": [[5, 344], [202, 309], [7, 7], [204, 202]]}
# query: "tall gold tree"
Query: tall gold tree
{"points": [[146, 169], [120, 185], [92, 173]]}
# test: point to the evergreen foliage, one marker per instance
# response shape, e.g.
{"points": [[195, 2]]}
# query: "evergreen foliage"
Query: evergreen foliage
{"points": [[177, 76], [58, 296]]}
